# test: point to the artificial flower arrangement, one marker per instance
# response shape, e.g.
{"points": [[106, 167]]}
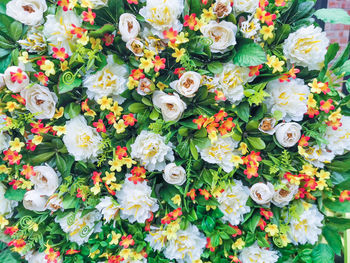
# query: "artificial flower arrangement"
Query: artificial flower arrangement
{"points": [[172, 131]]}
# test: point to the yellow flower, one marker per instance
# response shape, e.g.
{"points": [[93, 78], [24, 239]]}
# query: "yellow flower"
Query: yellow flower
{"points": [[4, 169], [64, 65], [213, 136], [172, 45], [116, 164], [149, 54], [48, 67], [275, 63], [109, 177], [86, 4], [243, 147], [16, 145], [239, 244], [128, 162], [105, 103], [271, 229], [59, 113], [208, 207], [181, 38], [200, 22], [321, 184], [125, 253], [120, 126], [24, 57], [11, 106], [309, 170], [60, 130], [37, 139], [90, 112], [132, 83], [176, 200], [3, 222], [323, 175], [237, 160], [146, 64], [115, 238], [335, 115], [116, 109], [311, 102], [96, 189], [208, 15], [93, 254], [115, 186], [266, 31], [95, 43], [72, 4], [284, 240], [84, 39], [178, 54], [161, 85]]}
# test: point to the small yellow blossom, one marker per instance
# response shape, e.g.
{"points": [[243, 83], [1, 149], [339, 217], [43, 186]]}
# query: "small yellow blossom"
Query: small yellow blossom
{"points": [[60, 130], [59, 113], [116, 109], [105, 103], [323, 175], [72, 4], [109, 177], [309, 170], [128, 162], [208, 207], [86, 4], [115, 238], [37, 139], [3, 222], [149, 54], [335, 116], [176, 200], [11, 106], [243, 147], [120, 126], [132, 83], [146, 64], [24, 58], [84, 40], [275, 63], [266, 31], [161, 85], [321, 184], [181, 38], [116, 164], [271, 230], [239, 244], [125, 253], [64, 65], [115, 186], [90, 113], [311, 102], [48, 67], [4, 169], [178, 54], [208, 15], [16, 145], [237, 160], [95, 43], [96, 189]]}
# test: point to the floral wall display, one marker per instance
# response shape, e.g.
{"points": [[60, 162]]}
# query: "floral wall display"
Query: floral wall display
{"points": [[182, 131]]}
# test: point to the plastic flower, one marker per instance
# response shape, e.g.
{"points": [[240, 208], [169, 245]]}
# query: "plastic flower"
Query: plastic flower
{"points": [[59, 53], [159, 63], [89, 16], [178, 54]]}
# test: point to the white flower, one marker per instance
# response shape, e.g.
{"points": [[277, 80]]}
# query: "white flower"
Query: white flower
{"points": [[110, 81], [4, 141], [45, 180], [57, 29], [171, 106], [34, 42], [339, 139], [246, 6], [54, 203], [220, 152], [306, 47], [288, 134], [163, 15], [222, 34], [174, 174], [188, 84], [231, 81], [222, 8], [250, 27], [233, 203], [15, 79], [28, 12], [285, 194], [307, 227], [78, 227], [145, 87], [290, 98], [129, 27], [156, 238], [135, 46], [256, 254], [187, 247], [38, 257], [97, 4], [318, 156], [136, 203], [108, 208], [267, 125], [40, 101], [81, 140], [262, 193], [34, 201], [5, 204]]}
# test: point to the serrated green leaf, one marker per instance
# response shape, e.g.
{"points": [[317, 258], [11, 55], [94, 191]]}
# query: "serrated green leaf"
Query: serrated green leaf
{"points": [[249, 53]]}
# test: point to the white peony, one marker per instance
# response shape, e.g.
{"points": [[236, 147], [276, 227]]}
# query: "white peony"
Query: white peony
{"points": [[222, 34], [187, 247], [307, 227], [339, 140], [40, 101], [45, 180], [109, 81], [285, 194], [319, 156], [129, 27], [28, 12], [4, 141], [34, 42], [306, 47], [34, 201], [157, 238], [256, 254], [171, 106], [233, 203], [38, 257], [135, 201], [231, 81], [57, 29], [220, 152], [288, 134], [222, 8], [262, 193], [5, 204], [163, 15], [290, 98], [82, 141], [108, 208], [174, 174], [15, 79], [188, 84], [245, 6], [250, 27]]}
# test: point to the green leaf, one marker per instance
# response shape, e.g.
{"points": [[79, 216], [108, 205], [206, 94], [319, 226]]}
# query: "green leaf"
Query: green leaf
{"points": [[65, 85], [60, 163], [243, 110], [107, 28], [249, 53], [337, 206], [41, 158], [13, 194], [333, 15], [340, 224], [262, 242], [282, 33], [4, 52], [183, 149], [342, 58], [253, 222], [137, 107], [331, 53], [215, 67], [9, 257], [322, 253], [72, 110], [339, 166], [15, 30], [193, 150], [333, 239], [210, 223], [257, 143], [345, 68]]}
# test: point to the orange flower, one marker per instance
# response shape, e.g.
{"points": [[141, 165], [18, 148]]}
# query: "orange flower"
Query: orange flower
{"points": [[209, 245], [326, 106], [138, 171], [121, 152], [89, 16], [267, 214], [159, 63], [280, 3], [18, 76], [129, 119], [304, 141], [137, 74], [133, 2], [43, 79], [192, 194], [176, 213], [19, 98], [100, 127], [344, 195], [190, 21], [77, 31], [72, 251], [254, 70], [59, 53], [205, 193], [170, 34], [126, 241], [28, 171], [108, 39], [220, 115], [64, 4], [312, 112], [251, 171], [200, 121], [96, 177], [52, 255]]}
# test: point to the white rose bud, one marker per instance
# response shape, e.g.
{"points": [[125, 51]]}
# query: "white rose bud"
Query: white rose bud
{"points": [[40, 101], [188, 84], [174, 174], [54, 203], [283, 196], [262, 193], [135, 46], [222, 8], [288, 134], [45, 180], [267, 125], [222, 34], [28, 12], [129, 27], [15, 79], [34, 201], [171, 106]]}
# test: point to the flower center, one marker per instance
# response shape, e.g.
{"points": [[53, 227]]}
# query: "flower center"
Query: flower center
{"points": [[28, 9], [220, 9]]}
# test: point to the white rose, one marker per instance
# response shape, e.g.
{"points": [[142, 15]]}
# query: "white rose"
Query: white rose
{"points": [[28, 12], [4, 141], [145, 87], [45, 180], [267, 125], [306, 47], [222, 34], [129, 27], [262, 193], [222, 8], [34, 201], [5, 204], [54, 203], [40, 101], [82, 141], [288, 134], [174, 174], [246, 6], [339, 139], [283, 196], [135, 46], [171, 106], [15, 79], [188, 84]]}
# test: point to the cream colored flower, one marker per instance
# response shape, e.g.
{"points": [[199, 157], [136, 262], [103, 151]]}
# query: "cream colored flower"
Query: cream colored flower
{"points": [[339, 139], [13, 82], [171, 106], [267, 125], [34, 201], [136, 47], [40, 101], [4, 141], [255, 254], [108, 207], [222, 34], [288, 134], [262, 193], [306, 47], [285, 194], [245, 6], [45, 180], [156, 238], [6, 205], [28, 12], [222, 8], [250, 27], [129, 27], [318, 156], [174, 174], [188, 84]]}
